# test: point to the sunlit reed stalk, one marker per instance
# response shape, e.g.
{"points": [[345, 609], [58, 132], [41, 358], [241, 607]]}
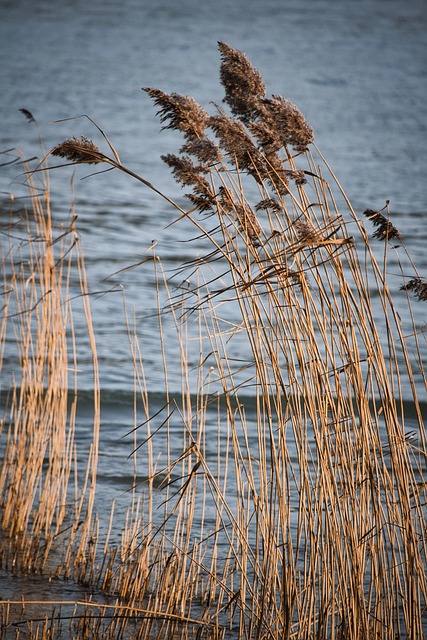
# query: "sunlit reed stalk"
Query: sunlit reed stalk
{"points": [[39, 406], [38, 465]]}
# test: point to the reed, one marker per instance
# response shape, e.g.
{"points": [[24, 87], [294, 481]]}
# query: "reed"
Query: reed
{"points": [[294, 504], [44, 507]]}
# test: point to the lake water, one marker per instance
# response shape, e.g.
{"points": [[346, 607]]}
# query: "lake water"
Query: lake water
{"points": [[356, 69]]}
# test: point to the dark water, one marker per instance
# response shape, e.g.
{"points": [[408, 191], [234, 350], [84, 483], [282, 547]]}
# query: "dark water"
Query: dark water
{"points": [[357, 70]]}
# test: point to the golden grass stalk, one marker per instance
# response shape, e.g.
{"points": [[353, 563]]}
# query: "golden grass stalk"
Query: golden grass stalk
{"points": [[38, 459]]}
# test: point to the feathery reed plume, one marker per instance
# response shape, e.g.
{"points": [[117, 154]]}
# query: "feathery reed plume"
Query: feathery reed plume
{"points": [[182, 113], [269, 204], [237, 143], [281, 123], [248, 224], [290, 277], [245, 217], [298, 176], [28, 115], [274, 121], [307, 234], [246, 156], [385, 229], [205, 150], [185, 171], [190, 174], [243, 84], [417, 286], [79, 150], [274, 172]]}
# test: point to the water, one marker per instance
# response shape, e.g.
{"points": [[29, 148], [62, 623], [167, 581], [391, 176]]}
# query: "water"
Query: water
{"points": [[357, 70]]}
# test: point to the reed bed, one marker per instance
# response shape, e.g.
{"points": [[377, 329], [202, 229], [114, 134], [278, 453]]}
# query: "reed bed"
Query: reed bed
{"points": [[285, 494], [46, 497]]}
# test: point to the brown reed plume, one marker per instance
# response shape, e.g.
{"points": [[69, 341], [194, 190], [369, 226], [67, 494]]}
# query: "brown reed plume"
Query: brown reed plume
{"points": [[237, 144], [275, 121], [180, 112], [79, 150], [417, 286], [28, 115], [385, 229], [281, 123], [243, 84]]}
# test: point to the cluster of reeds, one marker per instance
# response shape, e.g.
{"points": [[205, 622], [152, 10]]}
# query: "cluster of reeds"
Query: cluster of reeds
{"points": [[46, 495], [295, 506]]}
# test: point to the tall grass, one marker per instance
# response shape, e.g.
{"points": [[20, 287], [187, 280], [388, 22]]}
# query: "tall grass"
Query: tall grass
{"points": [[39, 467], [295, 504]]}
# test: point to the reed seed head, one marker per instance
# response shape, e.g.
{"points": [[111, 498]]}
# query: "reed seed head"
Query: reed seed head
{"points": [[385, 229], [201, 202], [297, 176], [247, 221], [294, 278], [274, 121], [28, 115], [189, 174], [275, 173], [281, 123], [79, 150], [205, 150], [269, 204], [237, 143], [243, 84], [248, 224], [307, 234], [186, 172], [181, 112], [417, 286]]}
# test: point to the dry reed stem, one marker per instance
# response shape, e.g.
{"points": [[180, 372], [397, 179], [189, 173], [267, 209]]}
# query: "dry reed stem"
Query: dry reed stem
{"points": [[39, 456]]}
